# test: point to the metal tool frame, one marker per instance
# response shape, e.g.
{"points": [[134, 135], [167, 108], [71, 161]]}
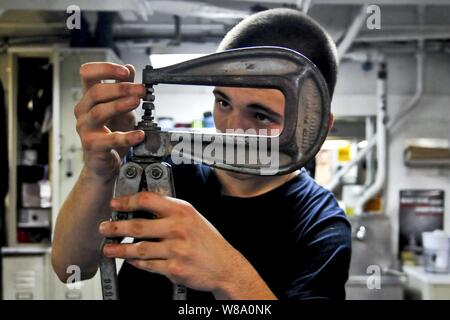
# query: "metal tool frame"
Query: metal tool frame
{"points": [[307, 114]]}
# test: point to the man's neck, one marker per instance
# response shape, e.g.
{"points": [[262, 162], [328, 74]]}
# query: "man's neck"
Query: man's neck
{"points": [[246, 186]]}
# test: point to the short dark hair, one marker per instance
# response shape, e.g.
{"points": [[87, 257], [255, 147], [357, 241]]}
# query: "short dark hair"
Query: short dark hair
{"points": [[291, 29]]}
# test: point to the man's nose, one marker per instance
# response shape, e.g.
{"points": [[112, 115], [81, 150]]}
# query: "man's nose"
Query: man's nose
{"points": [[237, 121]]}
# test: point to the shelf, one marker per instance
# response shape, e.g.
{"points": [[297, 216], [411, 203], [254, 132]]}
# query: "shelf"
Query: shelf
{"points": [[426, 163]]}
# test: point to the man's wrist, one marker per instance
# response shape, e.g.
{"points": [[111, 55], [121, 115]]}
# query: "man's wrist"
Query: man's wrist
{"points": [[243, 284], [92, 177]]}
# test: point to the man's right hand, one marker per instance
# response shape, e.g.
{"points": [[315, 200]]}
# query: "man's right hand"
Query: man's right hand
{"points": [[103, 109]]}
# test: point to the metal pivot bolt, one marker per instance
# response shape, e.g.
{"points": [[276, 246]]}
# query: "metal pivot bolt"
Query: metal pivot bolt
{"points": [[156, 173], [131, 172]]}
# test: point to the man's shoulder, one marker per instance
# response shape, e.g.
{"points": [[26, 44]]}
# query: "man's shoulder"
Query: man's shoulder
{"points": [[306, 189], [312, 202]]}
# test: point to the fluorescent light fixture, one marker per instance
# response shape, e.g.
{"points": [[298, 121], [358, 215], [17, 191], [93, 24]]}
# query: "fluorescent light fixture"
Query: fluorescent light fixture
{"points": [[164, 60]]}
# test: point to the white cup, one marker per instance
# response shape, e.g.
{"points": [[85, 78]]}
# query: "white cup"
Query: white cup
{"points": [[436, 248]]}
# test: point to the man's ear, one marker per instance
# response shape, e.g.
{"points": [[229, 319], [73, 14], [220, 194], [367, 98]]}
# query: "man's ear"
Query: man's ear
{"points": [[331, 122]]}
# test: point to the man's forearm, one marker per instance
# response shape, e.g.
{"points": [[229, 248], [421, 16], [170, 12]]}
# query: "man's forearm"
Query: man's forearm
{"points": [[76, 238]]}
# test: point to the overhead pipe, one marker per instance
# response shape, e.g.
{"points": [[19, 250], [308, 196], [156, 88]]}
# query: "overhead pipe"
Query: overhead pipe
{"points": [[420, 57], [352, 32], [411, 104]]}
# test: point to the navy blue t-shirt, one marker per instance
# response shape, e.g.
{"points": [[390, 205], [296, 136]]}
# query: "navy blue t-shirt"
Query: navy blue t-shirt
{"points": [[295, 236]]}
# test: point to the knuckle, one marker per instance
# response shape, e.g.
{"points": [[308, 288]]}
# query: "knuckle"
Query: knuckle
{"points": [[88, 142], [141, 249], [136, 228], [179, 231], [95, 115], [95, 92], [117, 105], [186, 208], [142, 199], [116, 140], [179, 251], [133, 102], [175, 270], [123, 88]]}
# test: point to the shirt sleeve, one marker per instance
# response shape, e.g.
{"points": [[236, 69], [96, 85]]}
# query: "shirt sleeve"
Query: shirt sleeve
{"points": [[323, 250]]}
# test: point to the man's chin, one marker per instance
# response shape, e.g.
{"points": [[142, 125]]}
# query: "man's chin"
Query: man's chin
{"points": [[238, 176]]}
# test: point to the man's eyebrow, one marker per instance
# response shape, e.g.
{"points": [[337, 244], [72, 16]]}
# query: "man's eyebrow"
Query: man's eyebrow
{"points": [[222, 94], [261, 107]]}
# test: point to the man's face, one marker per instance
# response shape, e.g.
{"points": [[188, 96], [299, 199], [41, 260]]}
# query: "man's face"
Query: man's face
{"points": [[248, 108]]}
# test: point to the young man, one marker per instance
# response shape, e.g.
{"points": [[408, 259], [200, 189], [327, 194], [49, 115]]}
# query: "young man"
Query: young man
{"points": [[233, 236]]}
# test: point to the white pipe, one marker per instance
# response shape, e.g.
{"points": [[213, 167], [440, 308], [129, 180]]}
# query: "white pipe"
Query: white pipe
{"points": [[370, 159], [383, 126], [304, 5], [380, 178], [417, 96], [352, 32], [336, 179], [419, 77]]}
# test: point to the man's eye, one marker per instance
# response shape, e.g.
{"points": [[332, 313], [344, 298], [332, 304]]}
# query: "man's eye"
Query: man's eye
{"points": [[262, 118], [222, 103]]}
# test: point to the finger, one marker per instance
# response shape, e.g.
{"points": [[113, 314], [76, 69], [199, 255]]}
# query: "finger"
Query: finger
{"points": [[135, 228], [160, 205], [107, 92], [132, 70], [101, 142], [94, 72], [140, 250], [155, 266], [100, 114]]}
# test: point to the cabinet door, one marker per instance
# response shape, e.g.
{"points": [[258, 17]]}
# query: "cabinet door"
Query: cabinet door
{"points": [[69, 157], [23, 278], [83, 290]]}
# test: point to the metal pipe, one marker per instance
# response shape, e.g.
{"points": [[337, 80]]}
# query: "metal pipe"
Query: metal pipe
{"points": [[411, 104], [346, 167], [381, 140], [420, 57], [352, 32], [370, 159]]}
